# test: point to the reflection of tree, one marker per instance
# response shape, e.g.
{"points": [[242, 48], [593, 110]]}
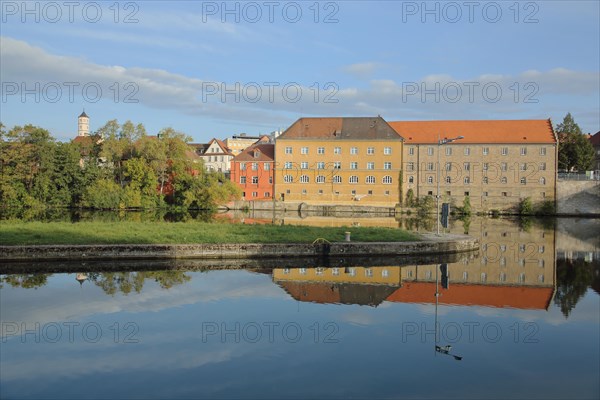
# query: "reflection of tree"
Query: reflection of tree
{"points": [[125, 282], [573, 279], [25, 281]]}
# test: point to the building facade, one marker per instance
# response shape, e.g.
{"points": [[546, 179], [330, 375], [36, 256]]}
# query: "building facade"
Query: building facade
{"points": [[595, 141], [496, 163], [238, 143], [339, 161], [252, 171], [83, 125], [215, 155]]}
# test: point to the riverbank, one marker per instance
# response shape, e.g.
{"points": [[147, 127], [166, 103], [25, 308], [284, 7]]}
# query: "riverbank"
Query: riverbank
{"points": [[428, 245]]}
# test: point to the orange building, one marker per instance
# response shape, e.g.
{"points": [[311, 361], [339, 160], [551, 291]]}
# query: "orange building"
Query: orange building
{"points": [[252, 171]]}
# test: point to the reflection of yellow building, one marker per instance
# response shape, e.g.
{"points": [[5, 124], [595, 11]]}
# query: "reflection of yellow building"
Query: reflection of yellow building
{"points": [[346, 285], [339, 161]]}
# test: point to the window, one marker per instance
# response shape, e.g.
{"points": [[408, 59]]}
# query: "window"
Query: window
{"points": [[387, 151], [387, 180], [387, 165], [448, 166], [522, 277], [254, 166], [384, 273], [541, 248], [288, 150], [483, 277], [288, 179], [486, 166], [429, 166], [243, 166], [467, 166], [504, 166], [430, 151], [270, 179], [448, 151], [523, 181], [467, 151], [542, 181], [542, 151], [542, 166], [353, 150], [485, 180], [304, 150], [320, 165], [448, 179], [370, 193], [320, 179], [267, 166], [467, 180], [255, 180], [502, 276], [370, 151], [505, 151], [353, 179], [267, 194], [523, 151], [353, 165], [503, 180], [304, 165], [523, 167], [243, 180], [486, 151], [465, 275], [337, 150], [337, 179], [254, 194], [337, 165], [485, 194], [410, 166], [430, 179], [370, 165], [504, 194], [335, 271], [304, 179], [287, 165], [411, 179], [387, 193], [411, 151], [321, 150], [370, 179]]}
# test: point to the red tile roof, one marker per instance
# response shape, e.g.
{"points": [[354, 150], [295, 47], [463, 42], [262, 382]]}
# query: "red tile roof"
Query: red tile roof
{"points": [[266, 153], [477, 131], [500, 296], [340, 128]]}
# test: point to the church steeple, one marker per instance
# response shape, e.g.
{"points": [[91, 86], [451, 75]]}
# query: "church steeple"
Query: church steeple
{"points": [[83, 124]]}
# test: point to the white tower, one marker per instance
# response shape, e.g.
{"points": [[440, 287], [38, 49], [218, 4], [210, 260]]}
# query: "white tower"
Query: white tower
{"points": [[83, 124]]}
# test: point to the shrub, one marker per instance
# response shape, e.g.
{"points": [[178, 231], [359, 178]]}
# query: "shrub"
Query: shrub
{"points": [[526, 206]]}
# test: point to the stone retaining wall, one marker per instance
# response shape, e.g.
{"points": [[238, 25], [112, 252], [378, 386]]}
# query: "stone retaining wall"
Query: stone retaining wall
{"points": [[456, 244]]}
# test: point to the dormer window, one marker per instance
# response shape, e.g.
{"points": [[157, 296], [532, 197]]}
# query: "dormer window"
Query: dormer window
{"points": [[256, 153]]}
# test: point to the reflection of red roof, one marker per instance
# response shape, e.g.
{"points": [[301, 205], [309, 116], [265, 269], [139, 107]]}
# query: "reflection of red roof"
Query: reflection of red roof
{"points": [[337, 292], [477, 131], [524, 297]]}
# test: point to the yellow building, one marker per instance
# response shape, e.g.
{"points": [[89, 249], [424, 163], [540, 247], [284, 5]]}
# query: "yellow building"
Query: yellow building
{"points": [[339, 161]]}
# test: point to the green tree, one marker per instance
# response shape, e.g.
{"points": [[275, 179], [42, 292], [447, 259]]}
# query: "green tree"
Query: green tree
{"points": [[575, 152]]}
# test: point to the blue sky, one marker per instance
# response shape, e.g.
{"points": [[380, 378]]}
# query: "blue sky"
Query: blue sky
{"points": [[214, 69]]}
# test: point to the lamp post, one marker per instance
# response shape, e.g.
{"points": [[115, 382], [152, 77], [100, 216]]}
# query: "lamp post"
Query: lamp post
{"points": [[440, 143]]}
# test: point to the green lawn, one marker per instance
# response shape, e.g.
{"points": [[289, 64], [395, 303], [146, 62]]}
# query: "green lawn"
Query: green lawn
{"points": [[32, 233]]}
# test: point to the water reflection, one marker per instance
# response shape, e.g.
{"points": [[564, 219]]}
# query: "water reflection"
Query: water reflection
{"points": [[359, 327]]}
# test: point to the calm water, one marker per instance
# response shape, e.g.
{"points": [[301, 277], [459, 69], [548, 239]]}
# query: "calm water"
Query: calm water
{"points": [[522, 318]]}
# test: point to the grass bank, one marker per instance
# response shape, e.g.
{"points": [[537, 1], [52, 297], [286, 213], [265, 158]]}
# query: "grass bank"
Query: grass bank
{"points": [[39, 233]]}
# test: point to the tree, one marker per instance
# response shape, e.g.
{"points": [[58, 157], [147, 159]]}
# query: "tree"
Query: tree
{"points": [[575, 152]]}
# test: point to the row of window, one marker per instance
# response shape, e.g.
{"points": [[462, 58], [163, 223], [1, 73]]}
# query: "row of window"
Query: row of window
{"points": [[482, 277], [386, 180], [484, 150], [335, 165], [254, 166], [448, 166], [485, 180], [335, 271], [338, 150], [254, 180], [255, 195], [353, 193]]}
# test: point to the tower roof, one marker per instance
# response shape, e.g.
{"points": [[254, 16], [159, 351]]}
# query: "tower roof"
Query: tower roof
{"points": [[83, 114]]}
